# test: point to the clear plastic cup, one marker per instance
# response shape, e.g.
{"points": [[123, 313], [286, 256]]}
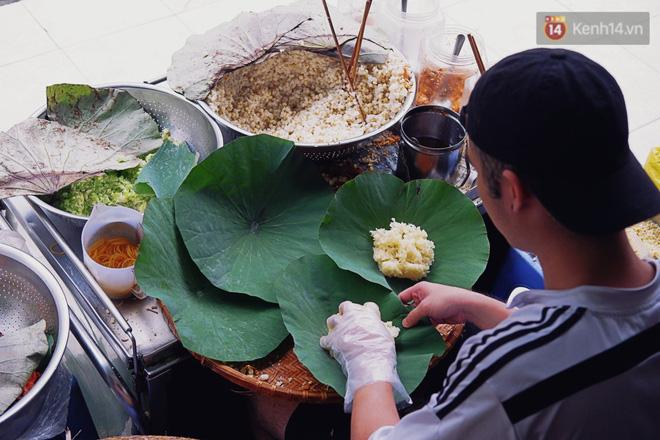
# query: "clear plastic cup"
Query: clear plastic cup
{"points": [[445, 79], [406, 30]]}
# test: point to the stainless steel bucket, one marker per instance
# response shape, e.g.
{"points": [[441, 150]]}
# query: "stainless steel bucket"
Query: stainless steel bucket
{"points": [[443, 126], [28, 294]]}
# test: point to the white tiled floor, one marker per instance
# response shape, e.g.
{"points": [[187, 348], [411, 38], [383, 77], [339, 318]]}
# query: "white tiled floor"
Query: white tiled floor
{"points": [[46, 41]]}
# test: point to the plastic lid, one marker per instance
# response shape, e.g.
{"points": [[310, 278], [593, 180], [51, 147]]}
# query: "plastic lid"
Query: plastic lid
{"points": [[417, 10], [440, 46]]}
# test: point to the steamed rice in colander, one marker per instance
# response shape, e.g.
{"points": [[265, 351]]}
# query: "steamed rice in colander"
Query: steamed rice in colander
{"points": [[300, 96]]}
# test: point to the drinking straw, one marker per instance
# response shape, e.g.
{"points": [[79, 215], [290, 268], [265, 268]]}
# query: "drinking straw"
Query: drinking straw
{"points": [[475, 52]]}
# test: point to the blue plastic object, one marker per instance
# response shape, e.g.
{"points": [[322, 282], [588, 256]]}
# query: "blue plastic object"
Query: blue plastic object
{"points": [[518, 270]]}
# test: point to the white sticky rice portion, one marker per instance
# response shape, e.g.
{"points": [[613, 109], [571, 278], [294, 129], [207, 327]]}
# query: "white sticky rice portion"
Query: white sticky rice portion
{"points": [[403, 251], [300, 96]]}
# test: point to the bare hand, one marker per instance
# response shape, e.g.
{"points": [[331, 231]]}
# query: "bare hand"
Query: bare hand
{"points": [[451, 305], [440, 303]]}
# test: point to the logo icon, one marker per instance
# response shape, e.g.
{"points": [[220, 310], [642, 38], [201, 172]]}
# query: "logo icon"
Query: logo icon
{"points": [[555, 27]]}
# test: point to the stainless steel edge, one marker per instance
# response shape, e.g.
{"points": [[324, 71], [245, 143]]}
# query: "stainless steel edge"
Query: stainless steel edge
{"points": [[110, 376], [16, 207], [99, 360], [125, 326], [91, 281]]}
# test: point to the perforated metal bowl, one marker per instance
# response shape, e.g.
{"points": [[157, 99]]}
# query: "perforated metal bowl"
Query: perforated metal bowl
{"points": [[320, 151], [28, 294], [185, 121]]}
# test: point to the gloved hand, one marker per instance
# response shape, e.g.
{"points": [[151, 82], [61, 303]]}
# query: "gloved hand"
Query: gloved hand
{"points": [[364, 348]]}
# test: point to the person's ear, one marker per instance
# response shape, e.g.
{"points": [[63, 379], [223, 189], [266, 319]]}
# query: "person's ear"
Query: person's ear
{"points": [[513, 187]]}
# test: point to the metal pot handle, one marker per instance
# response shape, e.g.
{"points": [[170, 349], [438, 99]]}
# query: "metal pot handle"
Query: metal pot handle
{"points": [[108, 373]]}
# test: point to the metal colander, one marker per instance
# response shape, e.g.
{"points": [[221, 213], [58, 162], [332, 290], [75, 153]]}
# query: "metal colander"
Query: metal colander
{"points": [[185, 121], [28, 294], [320, 152]]}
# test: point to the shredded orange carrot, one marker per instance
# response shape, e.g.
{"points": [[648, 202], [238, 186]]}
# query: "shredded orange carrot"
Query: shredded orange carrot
{"points": [[30, 383], [116, 253]]}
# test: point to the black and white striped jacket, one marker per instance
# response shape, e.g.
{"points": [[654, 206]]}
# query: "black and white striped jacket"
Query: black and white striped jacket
{"points": [[579, 363]]}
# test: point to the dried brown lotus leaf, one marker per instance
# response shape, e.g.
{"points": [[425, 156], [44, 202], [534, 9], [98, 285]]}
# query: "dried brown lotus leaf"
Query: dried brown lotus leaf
{"points": [[41, 157], [254, 37]]}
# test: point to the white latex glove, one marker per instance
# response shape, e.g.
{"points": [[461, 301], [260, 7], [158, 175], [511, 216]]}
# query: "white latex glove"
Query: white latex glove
{"points": [[364, 348]]}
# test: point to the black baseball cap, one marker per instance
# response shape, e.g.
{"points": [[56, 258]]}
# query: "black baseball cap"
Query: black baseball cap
{"points": [[559, 120]]}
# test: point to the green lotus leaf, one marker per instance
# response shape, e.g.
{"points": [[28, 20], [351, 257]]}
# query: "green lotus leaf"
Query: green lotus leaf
{"points": [[110, 114], [250, 209], [166, 170], [216, 324], [371, 200], [311, 289]]}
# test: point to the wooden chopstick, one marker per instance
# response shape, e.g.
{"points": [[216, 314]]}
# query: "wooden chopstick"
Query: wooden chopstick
{"points": [[353, 65], [351, 85], [477, 55]]}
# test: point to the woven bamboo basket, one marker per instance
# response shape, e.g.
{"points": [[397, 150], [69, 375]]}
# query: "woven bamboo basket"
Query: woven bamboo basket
{"points": [[282, 375]]}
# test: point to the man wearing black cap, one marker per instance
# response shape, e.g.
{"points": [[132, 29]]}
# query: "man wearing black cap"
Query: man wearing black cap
{"points": [[549, 137]]}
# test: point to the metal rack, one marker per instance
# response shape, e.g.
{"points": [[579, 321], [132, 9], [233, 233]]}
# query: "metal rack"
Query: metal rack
{"points": [[128, 342]]}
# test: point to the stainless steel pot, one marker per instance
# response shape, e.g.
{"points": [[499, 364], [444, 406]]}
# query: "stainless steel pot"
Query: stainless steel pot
{"points": [[442, 126], [183, 118], [29, 293], [320, 151]]}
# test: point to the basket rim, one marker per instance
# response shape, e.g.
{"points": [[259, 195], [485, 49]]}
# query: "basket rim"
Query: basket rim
{"points": [[450, 333]]}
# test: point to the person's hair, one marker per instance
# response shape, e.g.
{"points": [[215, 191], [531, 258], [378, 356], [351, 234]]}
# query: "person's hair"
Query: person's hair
{"points": [[491, 172]]}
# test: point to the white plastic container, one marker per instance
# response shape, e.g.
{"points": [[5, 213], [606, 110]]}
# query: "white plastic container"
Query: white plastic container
{"points": [[406, 30], [109, 222]]}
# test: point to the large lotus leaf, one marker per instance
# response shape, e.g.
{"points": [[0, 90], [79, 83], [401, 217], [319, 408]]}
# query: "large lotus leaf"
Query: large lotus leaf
{"points": [[20, 354], [166, 170], [250, 209], [41, 157], [213, 323], [371, 200], [110, 114], [253, 37], [311, 289]]}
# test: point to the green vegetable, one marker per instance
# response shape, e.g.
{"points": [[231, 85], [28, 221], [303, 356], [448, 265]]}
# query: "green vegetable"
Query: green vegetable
{"points": [[311, 289], [371, 200], [110, 114], [250, 209], [166, 170], [213, 323], [112, 188]]}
